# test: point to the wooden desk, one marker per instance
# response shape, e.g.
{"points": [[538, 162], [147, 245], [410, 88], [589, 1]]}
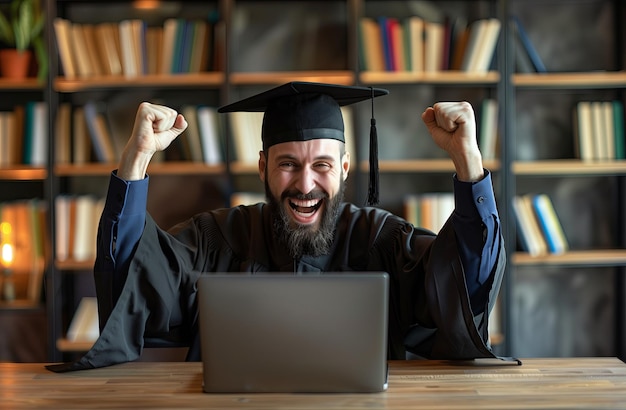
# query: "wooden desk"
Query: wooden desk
{"points": [[592, 383]]}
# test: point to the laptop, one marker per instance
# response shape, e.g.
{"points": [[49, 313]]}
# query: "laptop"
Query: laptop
{"points": [[294, 333]]}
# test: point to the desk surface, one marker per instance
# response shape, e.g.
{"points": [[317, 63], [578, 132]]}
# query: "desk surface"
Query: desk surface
{"points": [[594, 383]]}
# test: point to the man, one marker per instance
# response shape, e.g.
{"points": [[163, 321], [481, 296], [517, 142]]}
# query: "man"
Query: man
{"points": [[441, 286]]}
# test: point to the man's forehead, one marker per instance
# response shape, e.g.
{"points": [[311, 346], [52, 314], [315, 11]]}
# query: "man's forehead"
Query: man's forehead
{"points": [[322, 147]]}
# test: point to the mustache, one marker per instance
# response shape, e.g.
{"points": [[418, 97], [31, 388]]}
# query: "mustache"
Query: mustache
{"points": [[294, 193]]}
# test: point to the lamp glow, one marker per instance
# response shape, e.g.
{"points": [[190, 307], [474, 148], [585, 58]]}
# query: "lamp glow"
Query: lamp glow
{"points": [[7, 255]]}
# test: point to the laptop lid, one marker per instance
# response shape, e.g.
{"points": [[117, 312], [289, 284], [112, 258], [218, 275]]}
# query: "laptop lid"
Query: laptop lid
{"points": [[294, 333]]}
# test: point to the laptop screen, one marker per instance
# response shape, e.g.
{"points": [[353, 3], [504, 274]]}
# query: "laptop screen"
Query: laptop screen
{"points": [[294, 333]]}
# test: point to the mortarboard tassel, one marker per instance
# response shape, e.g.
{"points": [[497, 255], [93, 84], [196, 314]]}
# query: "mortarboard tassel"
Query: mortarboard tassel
{"points": [[372, 192]]}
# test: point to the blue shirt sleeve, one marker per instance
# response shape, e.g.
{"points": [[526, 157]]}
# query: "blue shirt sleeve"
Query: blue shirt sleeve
{"points": [[477, 226], [122, 224]]}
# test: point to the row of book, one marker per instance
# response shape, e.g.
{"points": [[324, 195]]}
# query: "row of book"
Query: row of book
{"points": [[24, 135], [86, 133], [538, 226], [417, 45], [76, 228], [599, 130], [24, 227], [132, 48], [429, 210]]}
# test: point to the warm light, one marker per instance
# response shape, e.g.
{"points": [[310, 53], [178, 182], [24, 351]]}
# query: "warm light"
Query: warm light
{"points": [[7, 248], [146, 4], [7, 255]]}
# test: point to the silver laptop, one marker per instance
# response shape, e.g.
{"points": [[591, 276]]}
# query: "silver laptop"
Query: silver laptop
{"points": [[294, 333]]}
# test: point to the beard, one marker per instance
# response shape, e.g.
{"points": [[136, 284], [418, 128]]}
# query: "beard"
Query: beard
{"points": [[304, 240]]}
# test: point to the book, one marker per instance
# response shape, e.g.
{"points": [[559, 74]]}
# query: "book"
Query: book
{"points": [[154, 49], [488, 128], [609, 129], [486, 48], [199, 54], [62, 32], [246, 131], [415, 43], [81, 54], [398, 47], [107, 37], [433, 46], [528, 229], [85, 326], [62, 222], [35, 148], [93, 53], [550, 224], [528, 46], [170, 28], [101, 140], [371, 45], [84, 228], [481, 45], [192, 133], [618, 129], [460, 37], [599, 131], [584, 131], [210, 135], [81, 141], [63, 143], [128, 49]]}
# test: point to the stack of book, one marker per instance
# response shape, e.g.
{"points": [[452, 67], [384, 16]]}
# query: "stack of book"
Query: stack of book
{"points": [[599, 130], [538, 226]]}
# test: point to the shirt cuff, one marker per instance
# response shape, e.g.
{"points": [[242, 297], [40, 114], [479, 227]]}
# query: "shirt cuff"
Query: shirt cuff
{"points": [[127, 197], [473, 199]]}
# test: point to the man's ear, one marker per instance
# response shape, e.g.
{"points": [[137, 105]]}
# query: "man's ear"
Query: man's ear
{"points": [[262, 165], [345, 164]]}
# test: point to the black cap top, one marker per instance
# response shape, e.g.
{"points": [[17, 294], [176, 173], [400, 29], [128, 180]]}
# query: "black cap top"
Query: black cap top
{"points": [[302, 111]]}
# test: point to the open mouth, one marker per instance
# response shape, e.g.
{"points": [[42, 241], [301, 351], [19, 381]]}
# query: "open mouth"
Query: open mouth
{"points": [[305, 207]]}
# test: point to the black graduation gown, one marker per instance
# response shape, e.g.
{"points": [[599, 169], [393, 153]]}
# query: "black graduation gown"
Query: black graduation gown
{"points": [[430, 313]]}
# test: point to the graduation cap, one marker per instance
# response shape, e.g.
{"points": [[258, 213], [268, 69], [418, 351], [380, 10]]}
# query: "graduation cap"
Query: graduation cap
{"points": [[302, 111]]}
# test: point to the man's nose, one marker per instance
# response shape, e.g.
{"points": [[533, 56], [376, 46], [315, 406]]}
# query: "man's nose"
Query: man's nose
{"points": [[306, 181]]}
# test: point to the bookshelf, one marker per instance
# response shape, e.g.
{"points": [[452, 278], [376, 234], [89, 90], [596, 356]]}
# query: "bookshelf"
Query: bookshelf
{"points": [[253, 54], [543, 156]]}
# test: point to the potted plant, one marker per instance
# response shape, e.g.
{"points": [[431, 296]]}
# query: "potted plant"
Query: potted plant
{"points": [[21, 33]]}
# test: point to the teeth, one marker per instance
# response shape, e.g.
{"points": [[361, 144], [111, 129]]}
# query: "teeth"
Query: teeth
{"points": [[305, 204]]}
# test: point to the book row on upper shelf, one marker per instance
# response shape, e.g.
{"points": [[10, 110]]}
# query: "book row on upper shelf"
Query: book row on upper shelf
{"points": [[131, 48], [416, 44], [538, 226]]}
